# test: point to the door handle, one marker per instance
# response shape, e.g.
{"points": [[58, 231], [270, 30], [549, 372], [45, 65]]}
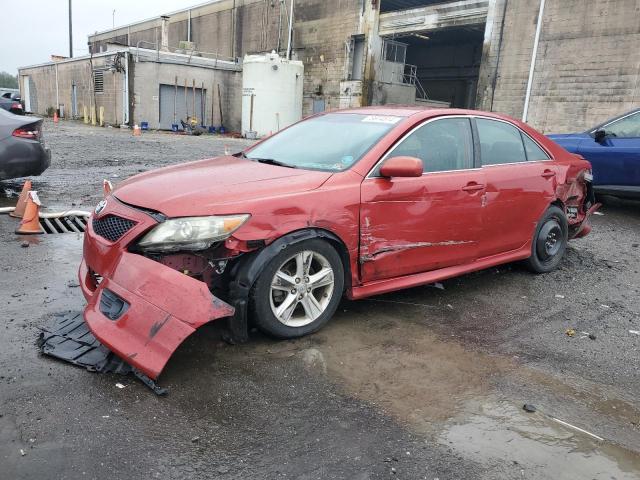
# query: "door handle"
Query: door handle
{"points": [[473, 187], [548, 174]]}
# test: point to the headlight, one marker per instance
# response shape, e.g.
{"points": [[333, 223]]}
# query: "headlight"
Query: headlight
{"points": [[191, 233]]}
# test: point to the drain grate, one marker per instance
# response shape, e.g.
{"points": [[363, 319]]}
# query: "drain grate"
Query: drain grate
{"points": [[64, 224]]}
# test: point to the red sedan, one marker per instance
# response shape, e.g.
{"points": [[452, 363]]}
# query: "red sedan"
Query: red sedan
{"points": [[356, 202]]}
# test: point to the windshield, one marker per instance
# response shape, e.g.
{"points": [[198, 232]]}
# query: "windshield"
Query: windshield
{"points": [[331, 142]]}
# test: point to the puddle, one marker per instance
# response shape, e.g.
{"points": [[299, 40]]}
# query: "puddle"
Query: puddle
{"points": [[499, 433], [9, 192], [450, 394], [403, 369]]}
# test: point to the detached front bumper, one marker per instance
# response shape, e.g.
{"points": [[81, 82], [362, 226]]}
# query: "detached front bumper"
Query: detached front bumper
{"points": [[138, 308]]}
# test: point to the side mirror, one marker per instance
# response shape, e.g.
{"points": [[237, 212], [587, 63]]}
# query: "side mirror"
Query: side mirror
{"points": [[402, 167], [599, 136]]}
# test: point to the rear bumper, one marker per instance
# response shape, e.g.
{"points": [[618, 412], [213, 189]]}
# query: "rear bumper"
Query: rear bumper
{"points": [[24, 159], [163, 306], [585, 227]]}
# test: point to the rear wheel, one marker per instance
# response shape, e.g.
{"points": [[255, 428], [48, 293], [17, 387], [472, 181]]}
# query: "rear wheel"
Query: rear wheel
{"points": [[549, 241], [299, 290]]}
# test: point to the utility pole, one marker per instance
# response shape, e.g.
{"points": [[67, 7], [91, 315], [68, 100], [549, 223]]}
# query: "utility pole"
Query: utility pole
{"points": [[70, 32]]}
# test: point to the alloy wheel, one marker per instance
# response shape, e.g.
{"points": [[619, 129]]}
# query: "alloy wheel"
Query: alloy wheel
{"points": [[301, 289]]}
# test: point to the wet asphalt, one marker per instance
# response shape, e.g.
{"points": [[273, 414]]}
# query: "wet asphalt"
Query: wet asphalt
{"points": [[424, 383]]}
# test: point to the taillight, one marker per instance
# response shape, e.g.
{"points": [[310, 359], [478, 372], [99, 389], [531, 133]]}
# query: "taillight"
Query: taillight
{"points": [[30, 132], [16, 105]]}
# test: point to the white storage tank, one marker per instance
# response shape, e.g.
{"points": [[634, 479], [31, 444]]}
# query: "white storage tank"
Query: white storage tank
{"points": [[271, 94]]}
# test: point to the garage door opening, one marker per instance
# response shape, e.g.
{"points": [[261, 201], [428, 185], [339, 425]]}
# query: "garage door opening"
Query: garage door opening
{"points": [[447, 63], [181, 104]]}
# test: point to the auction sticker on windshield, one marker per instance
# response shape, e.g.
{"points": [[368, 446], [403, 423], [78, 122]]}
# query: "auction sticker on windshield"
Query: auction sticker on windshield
{"points": [[381, 119]]}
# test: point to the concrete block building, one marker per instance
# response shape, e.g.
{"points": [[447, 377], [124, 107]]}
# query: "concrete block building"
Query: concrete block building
{"points": [[127, 86], [460, 53]]}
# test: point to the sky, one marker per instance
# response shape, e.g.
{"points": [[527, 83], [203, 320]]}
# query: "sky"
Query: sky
{"points": [[42, 29]]}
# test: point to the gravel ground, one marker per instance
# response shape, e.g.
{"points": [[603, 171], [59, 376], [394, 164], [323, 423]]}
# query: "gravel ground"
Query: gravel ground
{"points": [[423, 383]]}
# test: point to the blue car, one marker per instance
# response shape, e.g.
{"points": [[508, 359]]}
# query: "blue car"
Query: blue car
{"points": [[613, 148]]}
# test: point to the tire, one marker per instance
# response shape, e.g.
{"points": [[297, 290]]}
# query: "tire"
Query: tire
{"points": [[286, 303], [549, 241]]}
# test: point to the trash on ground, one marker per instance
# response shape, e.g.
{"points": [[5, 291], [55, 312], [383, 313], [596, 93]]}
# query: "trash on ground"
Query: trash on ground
{"points": [[634, 332], [570, 332], [561, 422], [437, 285], [119, 385], [22, 452], [559, 296], [599, 213], [527, 407]]}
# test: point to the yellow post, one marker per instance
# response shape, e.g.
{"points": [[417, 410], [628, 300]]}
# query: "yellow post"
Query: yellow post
{"points": [[101, 116], [93, 115], [86, 115]]}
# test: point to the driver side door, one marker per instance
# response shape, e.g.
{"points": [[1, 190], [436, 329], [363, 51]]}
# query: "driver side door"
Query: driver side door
{"points": [[417, 224], [616, 159]]}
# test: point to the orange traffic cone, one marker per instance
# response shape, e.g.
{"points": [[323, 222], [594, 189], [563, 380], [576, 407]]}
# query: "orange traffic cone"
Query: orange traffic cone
{"points": [[107, 186], [22, 200], [30, 223], [136, 130], [55, 117]]}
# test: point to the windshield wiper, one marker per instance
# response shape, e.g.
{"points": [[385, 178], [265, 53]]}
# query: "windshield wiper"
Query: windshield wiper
{"points": [[271, 161]]}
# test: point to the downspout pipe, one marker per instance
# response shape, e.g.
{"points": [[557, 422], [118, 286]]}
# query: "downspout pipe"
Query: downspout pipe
{"points": [[189, 27], [57, 90], [290, 32], [125, 91], [532, 67]]}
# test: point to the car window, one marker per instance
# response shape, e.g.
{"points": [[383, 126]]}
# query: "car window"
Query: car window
{"points": [[628, 127], [442, 145], [534, 152], [499, 142], [330, 142]]}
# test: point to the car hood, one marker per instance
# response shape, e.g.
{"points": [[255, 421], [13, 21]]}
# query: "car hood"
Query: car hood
{"points": [[204, 187]]}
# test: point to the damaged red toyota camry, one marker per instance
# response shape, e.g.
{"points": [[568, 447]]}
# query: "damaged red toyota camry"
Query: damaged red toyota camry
{"points": [[354, 202]]}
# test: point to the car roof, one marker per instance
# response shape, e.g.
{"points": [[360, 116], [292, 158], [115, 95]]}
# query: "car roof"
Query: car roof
{"points": [[410, 110]]}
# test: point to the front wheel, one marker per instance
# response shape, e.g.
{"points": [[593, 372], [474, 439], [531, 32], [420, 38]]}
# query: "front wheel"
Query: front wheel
{"points": [[549, 241], [299, 290]]}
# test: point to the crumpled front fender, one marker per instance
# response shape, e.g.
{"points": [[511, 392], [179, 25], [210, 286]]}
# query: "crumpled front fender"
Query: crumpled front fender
{"points": [[164, 308]]}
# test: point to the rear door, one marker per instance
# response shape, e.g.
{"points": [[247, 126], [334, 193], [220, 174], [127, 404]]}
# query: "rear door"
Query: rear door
{"points": [[412, 225], [520, 184], [616, 160]]}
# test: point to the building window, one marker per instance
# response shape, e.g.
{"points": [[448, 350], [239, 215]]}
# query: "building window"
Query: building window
{"points": [[395, 52], [98, 81]]}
